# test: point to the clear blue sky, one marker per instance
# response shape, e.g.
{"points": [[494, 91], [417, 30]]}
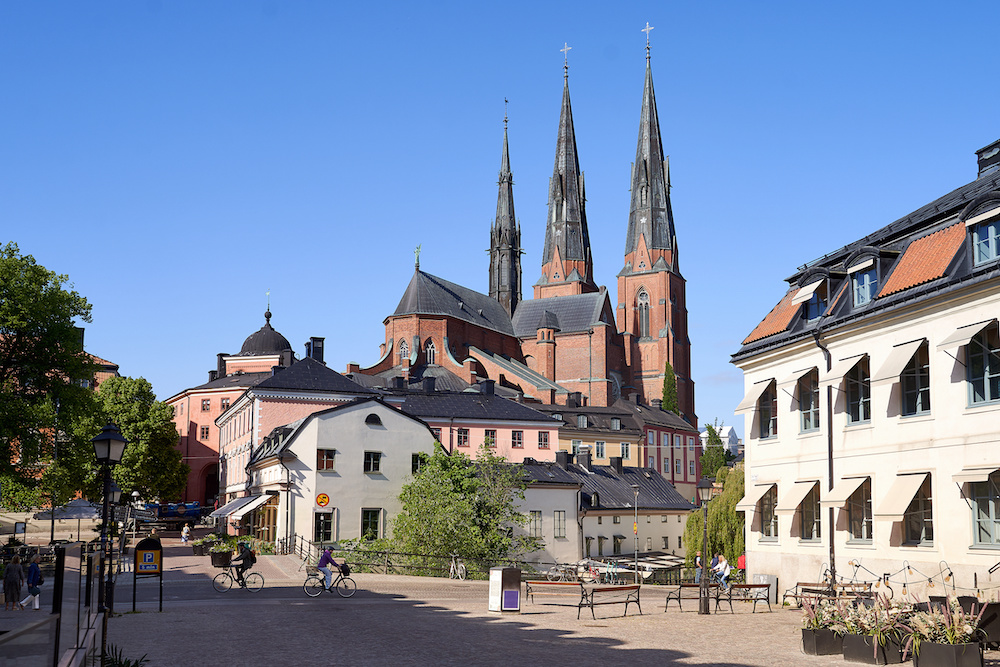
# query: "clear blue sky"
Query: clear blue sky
{"points": [[178, 159]]}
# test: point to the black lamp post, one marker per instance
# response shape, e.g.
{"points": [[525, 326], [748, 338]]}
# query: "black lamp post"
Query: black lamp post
{"points": [[635, 529], [704, 487], [109, 447]]}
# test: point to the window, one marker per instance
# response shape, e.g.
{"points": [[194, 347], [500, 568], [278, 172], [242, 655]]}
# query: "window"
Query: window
{"points": [[559, 517], [649, 544], [643, 308], [917, 521], [600, 545], [517, 439], [557, 415], [543, 439], [404, 350], [859, 512], [463, 437], [599, 451], [437, 434], [984, 366], [666, 464], [859, 393], [323, 527], [680, 542], [206, 404], [625, 452], [595, 501], [617, 545], [666, 542], [986, 511], [677, 466], [429, 352], [535, 523], [691, 443], [373, 420], [371, 524], [808, 389], [663, 518], [203, 432], [491, 437], [767, 412], [325, 458], [916, 383], [810, 515], [416, 463], [816, 305], [373, 461], [652, 462], [224, 404], [985, 243], [616, 424], [768, 517], [864, 285], [575, 446], [690, 468], [649, 518], [581, 421], [586, 546], [600, 519], [616, 519]]}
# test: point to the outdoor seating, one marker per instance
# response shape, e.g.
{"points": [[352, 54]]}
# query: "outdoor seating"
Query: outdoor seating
{"points": [[586, 595], [748, 593], [690, 591]]}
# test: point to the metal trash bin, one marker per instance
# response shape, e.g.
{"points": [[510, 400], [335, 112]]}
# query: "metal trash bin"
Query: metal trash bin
{"points": [[505, 590]]}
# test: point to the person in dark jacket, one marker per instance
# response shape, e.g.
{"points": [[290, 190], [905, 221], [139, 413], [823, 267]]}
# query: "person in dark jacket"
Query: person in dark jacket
{"points": [[246, 559], [34, 581], [13, 579]]}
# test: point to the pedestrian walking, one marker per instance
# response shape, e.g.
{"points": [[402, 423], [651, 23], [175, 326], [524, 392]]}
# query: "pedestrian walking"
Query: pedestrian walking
{"points": [[185, 533], [697, 568], [13, 579], [34, 583]]}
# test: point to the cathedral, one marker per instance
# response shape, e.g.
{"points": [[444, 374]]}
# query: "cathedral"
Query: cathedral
{"points": [[570, 344]]}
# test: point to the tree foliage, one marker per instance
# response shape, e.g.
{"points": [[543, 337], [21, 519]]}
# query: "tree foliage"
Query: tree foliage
{"points": [[457, 505], [716, 456], [670, 390], [152, 463], [725, 524], [42, 362]]}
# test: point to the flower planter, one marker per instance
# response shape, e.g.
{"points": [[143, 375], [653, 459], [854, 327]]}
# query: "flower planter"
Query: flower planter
{"points": [[821, 642], [221, 559], [865, 649], [948, 655]]}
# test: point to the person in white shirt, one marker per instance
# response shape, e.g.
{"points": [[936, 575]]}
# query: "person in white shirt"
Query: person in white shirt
{"points": [[722, 570]]}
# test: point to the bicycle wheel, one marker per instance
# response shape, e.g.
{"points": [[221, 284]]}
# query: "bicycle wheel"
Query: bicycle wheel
{"points": [[222, 582], [346, 587], [255, 582], [552, 574], [314, 586], [461, 571]]}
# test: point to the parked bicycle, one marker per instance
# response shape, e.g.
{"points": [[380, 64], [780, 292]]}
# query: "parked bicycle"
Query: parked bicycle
{"points": [[252, 581], [315, 584], [561, 573], [457, 569]]}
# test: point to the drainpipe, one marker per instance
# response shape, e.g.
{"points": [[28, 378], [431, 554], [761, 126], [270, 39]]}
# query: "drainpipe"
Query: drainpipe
{"points": [[829, 452], [288, 497]]}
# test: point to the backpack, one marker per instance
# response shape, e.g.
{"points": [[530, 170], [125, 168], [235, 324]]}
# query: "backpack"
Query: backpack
{"points": [[345, 569], [253, 556]]}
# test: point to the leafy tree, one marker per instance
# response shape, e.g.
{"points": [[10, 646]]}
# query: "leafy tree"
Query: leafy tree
{"points": [[725, 524], [670, 390], [42, 363], [457, 505], [716, 456], [152, 463]]}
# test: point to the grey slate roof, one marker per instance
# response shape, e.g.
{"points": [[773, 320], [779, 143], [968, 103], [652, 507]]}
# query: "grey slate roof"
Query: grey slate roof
{"points": [[462, 405], [614, 490], [577, 312], [430, 295], [310, 375], [598, 419], [647, 414], [235, 381], [444, 380], [265, 341]]}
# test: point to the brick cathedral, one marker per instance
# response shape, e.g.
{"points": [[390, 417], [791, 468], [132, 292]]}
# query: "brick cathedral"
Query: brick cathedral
{"points": [[570, 344]]}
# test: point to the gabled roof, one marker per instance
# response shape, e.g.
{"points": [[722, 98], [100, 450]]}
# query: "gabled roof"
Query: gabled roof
{"points": [[647, 414], [614, 490], [577, 312], [463, 405], [430, 295], [310, 375]]}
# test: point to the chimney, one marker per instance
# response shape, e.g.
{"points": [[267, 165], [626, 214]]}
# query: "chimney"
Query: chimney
{"points": [[398, 382], [286, 358], [616, 463], [583, 457], [486, 387], [634, 397], [275, 370], [309, 349], [562, 458], [213, 376], [220, 363], [429, 383], [406, 368], [316, 344], [988, 159], [657, 403]]}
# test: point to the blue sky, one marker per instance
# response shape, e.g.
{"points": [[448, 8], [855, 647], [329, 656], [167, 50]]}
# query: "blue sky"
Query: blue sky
{"points": [[179, 159]]}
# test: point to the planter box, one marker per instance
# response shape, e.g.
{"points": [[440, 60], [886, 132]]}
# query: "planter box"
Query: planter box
{"points": [[221, 559], [821, 642], [864, 649], [948, 655]]}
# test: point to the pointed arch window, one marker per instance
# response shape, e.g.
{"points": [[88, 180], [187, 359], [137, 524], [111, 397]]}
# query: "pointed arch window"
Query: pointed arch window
{"points": [[643, 307], [430, 352], [404, 350], [504, 270]]}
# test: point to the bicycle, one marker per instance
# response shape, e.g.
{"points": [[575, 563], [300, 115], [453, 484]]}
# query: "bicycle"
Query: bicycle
{"points": [[315, 584], [253, 581], [457, 569]]}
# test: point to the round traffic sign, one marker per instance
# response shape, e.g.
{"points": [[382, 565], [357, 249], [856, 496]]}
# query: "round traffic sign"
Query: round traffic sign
{"points": [[322, 500]]}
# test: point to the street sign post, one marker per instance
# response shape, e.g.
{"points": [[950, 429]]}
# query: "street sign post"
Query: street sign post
{"points": [[148, 563]]}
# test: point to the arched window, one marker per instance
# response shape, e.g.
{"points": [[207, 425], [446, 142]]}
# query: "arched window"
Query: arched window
{"points": [[373, 419], [429, 352], [404, 350], [643, 301]]}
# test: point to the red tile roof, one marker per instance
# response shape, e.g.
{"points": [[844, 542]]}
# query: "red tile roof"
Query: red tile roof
{"points": [[777, 320], [925, 259], [836, 299]]}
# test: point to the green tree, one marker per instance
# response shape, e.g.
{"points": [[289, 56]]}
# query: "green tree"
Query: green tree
{"points": [[725, 524], [457, 505], [716, 456], [43, 368], [670, 390], [152, 463]]}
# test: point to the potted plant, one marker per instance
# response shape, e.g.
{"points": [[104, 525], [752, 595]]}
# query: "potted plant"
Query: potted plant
{"points": [[946, 636], [822, 627], [875, 634], [221, 554]]}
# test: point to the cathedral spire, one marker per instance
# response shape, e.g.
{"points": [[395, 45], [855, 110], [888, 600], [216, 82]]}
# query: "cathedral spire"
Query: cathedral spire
{"points": [[567, 267], [505, 238]]}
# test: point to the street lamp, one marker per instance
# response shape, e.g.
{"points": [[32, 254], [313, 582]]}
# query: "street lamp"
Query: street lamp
{"points": [[704, 487], [635, 529], [109, 447]]}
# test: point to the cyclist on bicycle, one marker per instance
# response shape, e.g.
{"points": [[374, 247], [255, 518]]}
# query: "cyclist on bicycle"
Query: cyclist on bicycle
{"points": [[246, 560], [325, 561]]}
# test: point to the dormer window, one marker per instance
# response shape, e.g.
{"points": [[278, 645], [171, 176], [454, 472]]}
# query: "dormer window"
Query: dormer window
{"points": [[581, 421], [616, 424], [813, 297], [985, 242], [864, 281]]}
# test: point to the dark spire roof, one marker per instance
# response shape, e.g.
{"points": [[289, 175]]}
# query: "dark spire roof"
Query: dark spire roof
{"points": [[265, 341], [505, 240], [430, 295]]}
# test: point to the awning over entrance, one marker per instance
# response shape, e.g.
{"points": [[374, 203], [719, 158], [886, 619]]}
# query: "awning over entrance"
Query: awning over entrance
{"points": [[231, 507], [962, 335], [789, 503], [841, 491], [753, 395], [255, 502], [752, 496], [900, 496], [897, 360], [974, 474], [840, 369]]}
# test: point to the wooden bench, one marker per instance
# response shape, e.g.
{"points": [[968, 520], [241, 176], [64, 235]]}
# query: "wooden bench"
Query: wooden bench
{"points": [[541, 587], [806, 591], [623, 594], [691, 591], [748, 593]]}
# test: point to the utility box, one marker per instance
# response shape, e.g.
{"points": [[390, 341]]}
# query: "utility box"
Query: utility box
{"points": [[505, 590], [772, 581]]}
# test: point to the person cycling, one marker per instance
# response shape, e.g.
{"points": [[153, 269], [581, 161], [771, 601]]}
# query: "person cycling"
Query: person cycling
{"points": [[324, 566], [246, 560]]}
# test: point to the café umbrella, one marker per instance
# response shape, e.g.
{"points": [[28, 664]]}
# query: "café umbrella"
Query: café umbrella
{"points": [[79, 509]]}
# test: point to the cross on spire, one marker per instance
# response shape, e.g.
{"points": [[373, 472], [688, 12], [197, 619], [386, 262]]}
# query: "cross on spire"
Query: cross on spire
{"points": [[505, 113], [646, 30], [565, 51]]}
